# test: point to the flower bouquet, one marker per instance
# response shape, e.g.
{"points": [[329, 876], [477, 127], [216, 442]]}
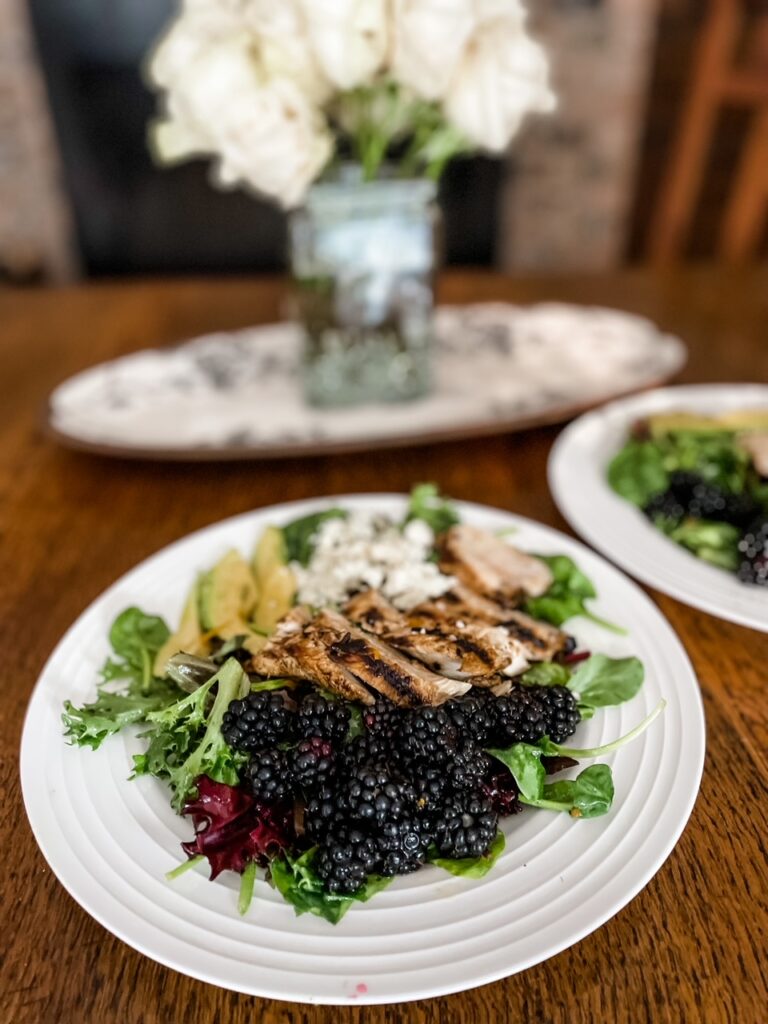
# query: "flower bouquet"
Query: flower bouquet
{"points": [[346, 112]]}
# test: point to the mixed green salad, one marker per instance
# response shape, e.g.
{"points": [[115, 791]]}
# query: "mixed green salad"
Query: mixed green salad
{"points": [[703, 482], [392, 736]]}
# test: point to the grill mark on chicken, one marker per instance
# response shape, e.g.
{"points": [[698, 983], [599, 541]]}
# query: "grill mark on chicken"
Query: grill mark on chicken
{"points": [[451, 647], [356, 653]]}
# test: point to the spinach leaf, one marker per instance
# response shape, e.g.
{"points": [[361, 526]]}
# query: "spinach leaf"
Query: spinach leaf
{"points": [[638, 472], [89, 725], [135, 638], [716, 543], [589, 795], [546, 673], [524, 761], [601, 681], [299, 536], [566, 596], [299, 884], [427, 503], [472, 867]]}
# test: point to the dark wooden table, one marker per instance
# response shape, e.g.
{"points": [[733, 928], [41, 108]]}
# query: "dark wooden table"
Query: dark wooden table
{"points": [[691, 947]]}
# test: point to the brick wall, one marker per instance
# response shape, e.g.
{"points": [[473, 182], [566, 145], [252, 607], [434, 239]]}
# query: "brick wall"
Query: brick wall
{"points": [[34, 220], [571, 176]]}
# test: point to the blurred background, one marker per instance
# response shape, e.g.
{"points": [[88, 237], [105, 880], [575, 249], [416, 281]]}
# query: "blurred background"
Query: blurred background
{"points": [[659, 149]]}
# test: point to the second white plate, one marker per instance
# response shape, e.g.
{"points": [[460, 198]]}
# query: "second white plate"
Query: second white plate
{"points": [[577, 477]]}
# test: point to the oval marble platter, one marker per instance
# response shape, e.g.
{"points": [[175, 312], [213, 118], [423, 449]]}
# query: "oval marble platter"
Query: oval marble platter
{"points": [[498, 368]]}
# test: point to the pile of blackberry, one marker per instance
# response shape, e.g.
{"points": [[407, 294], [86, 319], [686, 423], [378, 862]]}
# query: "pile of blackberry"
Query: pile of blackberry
{"points": [[753, 551], [689, 494], [412, 782]]}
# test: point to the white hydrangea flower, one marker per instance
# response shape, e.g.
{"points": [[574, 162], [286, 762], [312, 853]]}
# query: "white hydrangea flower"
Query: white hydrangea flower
{"points": [[429, 39], [263, 130], [350, 38], [503, 75]]}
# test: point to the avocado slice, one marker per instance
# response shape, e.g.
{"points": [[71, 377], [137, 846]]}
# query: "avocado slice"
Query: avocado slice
{"points": [[667, 422], [186, 638], [269, 554], [227, 595], [746, 419]]}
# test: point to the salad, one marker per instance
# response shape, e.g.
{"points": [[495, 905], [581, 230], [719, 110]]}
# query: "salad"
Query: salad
{"points": [[363, 697], [703, 481]]}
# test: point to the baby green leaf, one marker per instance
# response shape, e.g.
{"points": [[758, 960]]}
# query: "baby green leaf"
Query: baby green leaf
{"points": [[135, 638], [524, 761], [589, 795], [567, 595], [427, 504], [546, 673], [601, 681], [550, 748], [638, 472], [299, 536]]}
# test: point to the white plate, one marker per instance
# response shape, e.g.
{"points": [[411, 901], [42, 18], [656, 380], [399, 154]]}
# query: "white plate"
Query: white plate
{"points": [[577, 477], [238, 395], [110, 841]]}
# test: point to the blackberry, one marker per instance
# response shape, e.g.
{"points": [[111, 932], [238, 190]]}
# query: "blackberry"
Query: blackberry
{"points": [[426, 736], [711, 502], [466, 826], [382, 717], [403, 846], [501, 789], [322, 814], [472, 717], [374, 797], [346, 860], [666, 505], [312, 763], [682, 484], [519, 718], [269, 776], [753, 548], [260, 720], [368, 749], [466, 768], [432, 786], [560, 711], [328, 719]]}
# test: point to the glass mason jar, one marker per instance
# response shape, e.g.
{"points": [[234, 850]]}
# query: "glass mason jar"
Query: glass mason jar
{"points": [[363, 260]]}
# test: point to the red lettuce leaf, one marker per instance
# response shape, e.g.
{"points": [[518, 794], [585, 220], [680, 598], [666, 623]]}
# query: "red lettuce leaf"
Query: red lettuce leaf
{"points": [[232, 829]]}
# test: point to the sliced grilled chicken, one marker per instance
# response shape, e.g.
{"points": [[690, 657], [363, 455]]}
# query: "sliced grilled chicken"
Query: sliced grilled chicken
{"points": [[382, 668], [492, 567], [298, 650], [465, 650], [756, 445], [539, 641]]}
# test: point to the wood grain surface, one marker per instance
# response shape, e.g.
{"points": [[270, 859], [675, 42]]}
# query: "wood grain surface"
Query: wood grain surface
{"points": [[691, 947]]}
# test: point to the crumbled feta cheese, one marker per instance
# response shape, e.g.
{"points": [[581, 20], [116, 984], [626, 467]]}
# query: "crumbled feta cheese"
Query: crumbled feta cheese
{"points": [[367, 550]]}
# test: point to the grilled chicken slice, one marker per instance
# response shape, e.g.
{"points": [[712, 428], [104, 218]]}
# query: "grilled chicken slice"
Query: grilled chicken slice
{"points": [[465, 650], [298, 650], [382, 668], [539, 641], [756, 445], [492, 567]]}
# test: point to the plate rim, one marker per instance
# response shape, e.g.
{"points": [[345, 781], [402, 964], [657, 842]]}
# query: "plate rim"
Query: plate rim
{"points": [[593, 537], [695, 708]]}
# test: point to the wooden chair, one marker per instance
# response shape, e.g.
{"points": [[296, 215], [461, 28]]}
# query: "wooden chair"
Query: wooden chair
{"points": [[730, 69]]}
